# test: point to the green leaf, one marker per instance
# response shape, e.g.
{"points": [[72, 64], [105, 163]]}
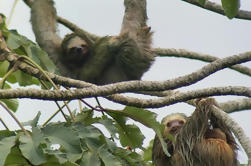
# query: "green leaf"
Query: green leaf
{"points": [[5, 147], [126, 156], [86, 117], [87, 131], [31, 147], [108, 158], [12, 104], [148, 152], [22, 78], [109, 125], [22, 45], [90, 159], [3, 68], [129, 135], [231, 7], [14, 41], [201, 2], [6, 133], [67, 139], [145, 117], [53, 161], [148, 118], [15, 158], [33, 123], [44, 61]]}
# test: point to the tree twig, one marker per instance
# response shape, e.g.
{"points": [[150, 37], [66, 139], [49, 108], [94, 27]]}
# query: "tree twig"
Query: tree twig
{"points": [[15, 118], [214, 7]]}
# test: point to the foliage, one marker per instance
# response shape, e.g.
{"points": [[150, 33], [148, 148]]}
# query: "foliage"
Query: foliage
{"points": [[70, 143], [231, 7]]}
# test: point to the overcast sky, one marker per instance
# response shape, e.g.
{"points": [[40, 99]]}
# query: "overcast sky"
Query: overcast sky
{"points": [[176, 24]]}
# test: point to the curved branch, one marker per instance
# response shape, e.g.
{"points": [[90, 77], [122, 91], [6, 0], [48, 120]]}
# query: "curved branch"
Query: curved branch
{"points": [[236, 105], [229, 106], [194, 55], [102, 91], [236, 129], [181, 96], [214, 7]]}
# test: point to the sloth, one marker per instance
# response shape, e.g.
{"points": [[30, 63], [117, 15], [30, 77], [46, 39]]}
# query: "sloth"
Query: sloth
{"points": [[200, 140]]}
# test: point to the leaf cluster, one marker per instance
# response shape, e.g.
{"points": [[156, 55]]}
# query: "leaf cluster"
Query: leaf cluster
{"points": [[22, 46], [74, 143]]}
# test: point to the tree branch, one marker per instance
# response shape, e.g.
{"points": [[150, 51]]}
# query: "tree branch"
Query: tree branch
{"points": [[181, 96], [162, 52], [214, 7], [236, 105], [103, 91]]}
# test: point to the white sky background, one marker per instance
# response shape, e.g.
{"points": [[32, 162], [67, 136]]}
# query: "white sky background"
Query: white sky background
{"points": [[176, 24]]}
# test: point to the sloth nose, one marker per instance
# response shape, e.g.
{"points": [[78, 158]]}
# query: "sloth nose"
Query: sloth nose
{"points": [[175, 128], [78, 50]]}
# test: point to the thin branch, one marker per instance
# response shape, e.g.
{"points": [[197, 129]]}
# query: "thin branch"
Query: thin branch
{"points": [[182, 53], [4, 124], [54, 114], [214, 7], [15, 118], [236, 129]]}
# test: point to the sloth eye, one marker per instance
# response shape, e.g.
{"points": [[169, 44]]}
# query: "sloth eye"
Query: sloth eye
{"points": [[168, 124], [181, 122]]}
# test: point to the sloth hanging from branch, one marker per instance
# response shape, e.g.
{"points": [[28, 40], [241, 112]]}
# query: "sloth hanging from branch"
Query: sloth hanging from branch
{"points": [[199, 140], [99, 60]]}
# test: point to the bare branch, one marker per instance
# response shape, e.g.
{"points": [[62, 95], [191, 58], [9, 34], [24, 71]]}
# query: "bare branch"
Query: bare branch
{"points": [[229, 106], [214, 7], [181, 96], [236, 105], [194, 55], [236, 129], [104, 91], [15, 118]]}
